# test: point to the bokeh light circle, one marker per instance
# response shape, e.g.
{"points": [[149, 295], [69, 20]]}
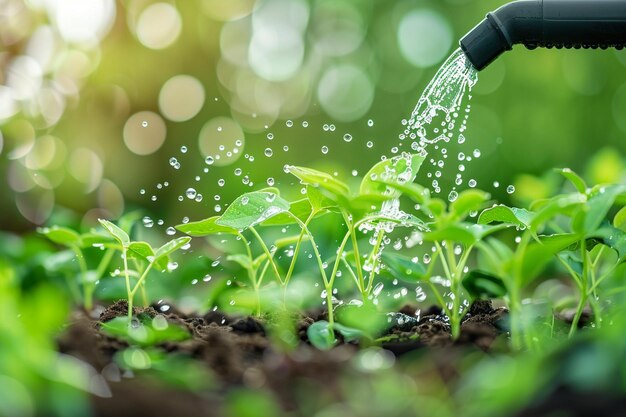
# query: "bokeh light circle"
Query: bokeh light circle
{"points": [[345, 92], [274, 54], [424, 37], [83, 21], [221, 139], [227, 10], [181, 98], [159, 26], [144, 133], [86, 167]]}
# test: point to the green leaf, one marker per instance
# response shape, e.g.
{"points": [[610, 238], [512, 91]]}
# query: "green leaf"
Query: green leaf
{"points": [[205, 227], [402, 267], [61, 235], [537, 255], [321, 335], [460, 233], [548, 209], [481, 285], [507, 215], [400, 169], [93, 239], [574, 178], [467, 201], [242, 260], [594, 212], [147, 331], [318, 200], [120, 235], [413, 191], [320, 179], [619, 221], [252, 208], [141, 249], [612, 237], [171, 247], [349, 333], [300, 209]]}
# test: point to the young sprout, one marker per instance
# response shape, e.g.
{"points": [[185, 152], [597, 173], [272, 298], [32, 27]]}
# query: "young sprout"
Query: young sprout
{"points": [[158, 258], [77, 243]]}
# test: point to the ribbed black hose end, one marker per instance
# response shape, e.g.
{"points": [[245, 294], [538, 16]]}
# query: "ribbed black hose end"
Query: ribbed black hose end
{"points": [[483, 44]]}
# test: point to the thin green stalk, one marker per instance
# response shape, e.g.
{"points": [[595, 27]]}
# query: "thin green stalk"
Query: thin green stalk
{"points": [[455, 319], [351, 271], [87, 295], [127, 278], [139, 283], [338, 258], [584, 281], [320, 263], [270, 258], [296, 251], [373, 260], [357, 256]]}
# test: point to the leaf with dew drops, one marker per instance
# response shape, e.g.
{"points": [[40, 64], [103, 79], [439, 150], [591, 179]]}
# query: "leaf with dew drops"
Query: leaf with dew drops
{"points": [[574, 178], [119, 234], [468, 201], [205, 227], [252, 208], [171, 247], [62, 235], [301, 209], [403, 267], [400, 169], [321, 180], [507, 215], [142, 250]]}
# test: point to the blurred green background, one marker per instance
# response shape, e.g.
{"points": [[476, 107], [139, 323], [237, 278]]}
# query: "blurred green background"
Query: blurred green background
{"points": [[98, 99]]}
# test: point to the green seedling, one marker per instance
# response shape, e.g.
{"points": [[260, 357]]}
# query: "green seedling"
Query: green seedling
{"points": [[77, 243], [149, 259], [572, 226]]}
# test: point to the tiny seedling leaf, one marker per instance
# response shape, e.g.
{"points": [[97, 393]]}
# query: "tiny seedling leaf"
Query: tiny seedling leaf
{"points": [[320, 179], [205, 227], [171, 246], [321, 335], [400, 169], [141, 249], [402, 267], [120, 235], [593, 213], [349, 333], [619, 221], [318, 200], [242, 260], [413, 191], [507, 215], [574, 178], [252, 208], [301, 209], [468, 201], [62, 235], [481, 285], [145, 330]]}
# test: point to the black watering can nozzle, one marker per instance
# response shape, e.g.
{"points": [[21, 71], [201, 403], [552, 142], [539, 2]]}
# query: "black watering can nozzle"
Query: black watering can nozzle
{"points": [[547, 23]]}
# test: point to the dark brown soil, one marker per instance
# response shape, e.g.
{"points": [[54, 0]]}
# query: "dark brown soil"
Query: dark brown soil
{"points": [[239, 352]]}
